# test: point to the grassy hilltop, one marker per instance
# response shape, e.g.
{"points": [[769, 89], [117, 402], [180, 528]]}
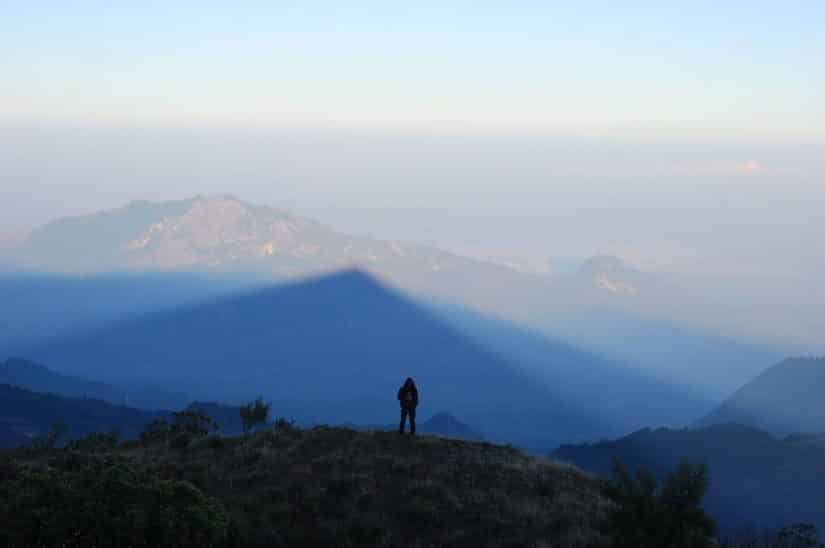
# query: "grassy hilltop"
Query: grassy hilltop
{"points": [[291, 487]]}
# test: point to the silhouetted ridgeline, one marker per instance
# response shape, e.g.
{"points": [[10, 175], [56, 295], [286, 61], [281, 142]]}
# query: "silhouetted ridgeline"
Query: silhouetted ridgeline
{"points": [[26, 415], [755, 478], [287, 487], [38, 378]]}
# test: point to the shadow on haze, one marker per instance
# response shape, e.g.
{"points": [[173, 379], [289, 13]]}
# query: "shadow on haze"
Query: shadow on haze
{"points": [[334, 350]]}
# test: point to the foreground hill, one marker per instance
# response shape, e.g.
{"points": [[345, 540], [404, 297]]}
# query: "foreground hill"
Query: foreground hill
{"points": [[286, 487], [786, 398], [756, 479]]}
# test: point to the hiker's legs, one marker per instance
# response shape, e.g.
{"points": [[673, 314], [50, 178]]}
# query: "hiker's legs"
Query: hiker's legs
{"points": [[412, 420], [403, 420]]}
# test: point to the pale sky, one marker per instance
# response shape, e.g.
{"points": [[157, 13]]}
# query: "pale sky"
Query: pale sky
{"points": [[683, 135], [704, 69]]}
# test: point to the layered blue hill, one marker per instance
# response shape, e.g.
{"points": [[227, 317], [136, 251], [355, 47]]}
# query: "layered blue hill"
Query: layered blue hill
{"points": [[757, 480]]}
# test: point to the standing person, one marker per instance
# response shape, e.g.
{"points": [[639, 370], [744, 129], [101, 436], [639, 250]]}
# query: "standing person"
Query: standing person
{"points": [[408, 398]]}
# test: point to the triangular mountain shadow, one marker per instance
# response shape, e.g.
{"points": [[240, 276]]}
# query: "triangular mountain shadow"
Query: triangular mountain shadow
{"points": [[332, 349]]}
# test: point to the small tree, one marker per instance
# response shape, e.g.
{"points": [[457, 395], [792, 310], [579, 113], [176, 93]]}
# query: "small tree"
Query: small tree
{"points": [[670, 514], [193, 422], [95, 441], [254, 413]]}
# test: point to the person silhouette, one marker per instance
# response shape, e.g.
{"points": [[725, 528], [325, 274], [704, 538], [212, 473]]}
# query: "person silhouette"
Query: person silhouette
{"points": [[408, 398]]}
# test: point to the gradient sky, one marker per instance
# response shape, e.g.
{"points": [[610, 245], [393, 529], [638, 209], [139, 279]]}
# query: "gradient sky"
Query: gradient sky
{"points": [[684, 135], [734, 69]]}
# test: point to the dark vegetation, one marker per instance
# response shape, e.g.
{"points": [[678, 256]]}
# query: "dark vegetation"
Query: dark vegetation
{"points": [[668, 514], [758, 481], [799, 535], [185, 485], [254, 414], [288, 487]]}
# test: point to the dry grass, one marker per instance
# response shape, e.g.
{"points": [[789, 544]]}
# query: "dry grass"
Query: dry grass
{"points": [[339, 487]]}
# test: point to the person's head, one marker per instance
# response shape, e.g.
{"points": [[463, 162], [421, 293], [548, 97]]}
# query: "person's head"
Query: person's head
{"points": [[409, 382]]}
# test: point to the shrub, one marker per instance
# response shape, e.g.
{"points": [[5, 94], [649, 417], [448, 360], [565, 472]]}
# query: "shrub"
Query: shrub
{"points": [[51, 439], [670, 514], [254, 413], [193, 422], [285, 426], [106, 505], [156, 431], [95, 441], [212, 441], [180, 440]]}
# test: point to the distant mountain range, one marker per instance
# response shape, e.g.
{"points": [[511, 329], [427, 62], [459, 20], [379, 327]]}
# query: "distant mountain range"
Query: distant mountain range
{"points": [[786, 398], [224, 234], [764, 446], [756, 479]]}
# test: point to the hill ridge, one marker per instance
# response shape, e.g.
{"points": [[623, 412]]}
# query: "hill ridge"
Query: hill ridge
{"points": [[784, 398], [318, 487]]}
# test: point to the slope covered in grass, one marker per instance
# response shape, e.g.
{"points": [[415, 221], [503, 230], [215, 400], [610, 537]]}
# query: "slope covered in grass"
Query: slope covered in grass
{"points": [[288, 487]]}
